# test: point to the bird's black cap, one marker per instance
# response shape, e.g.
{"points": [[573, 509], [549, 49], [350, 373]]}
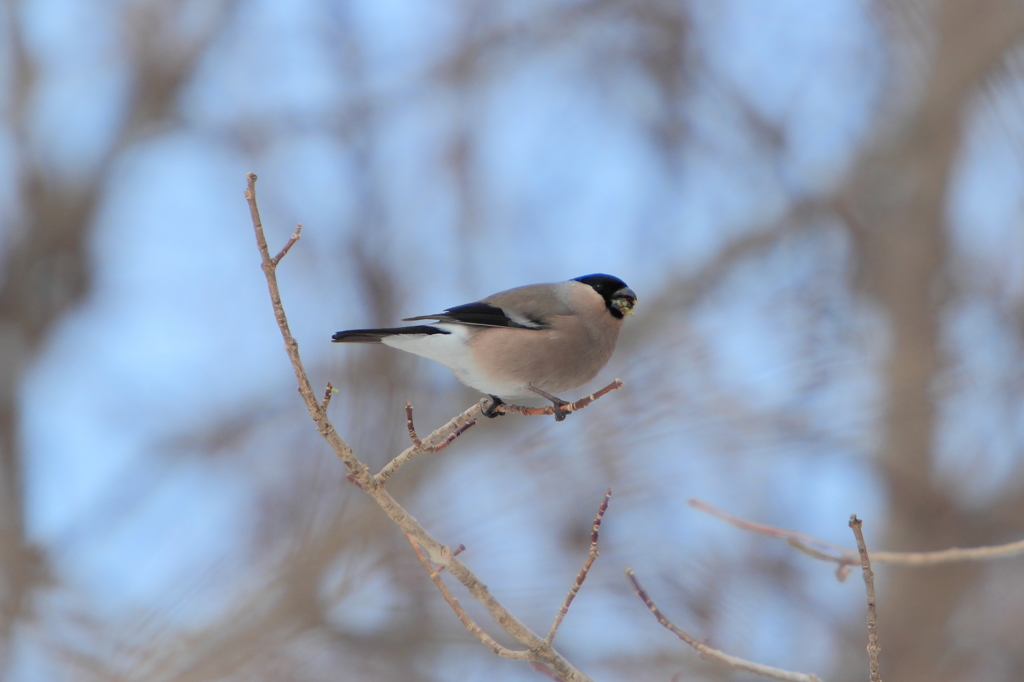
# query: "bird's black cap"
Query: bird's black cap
{"points": [[608, 286]]}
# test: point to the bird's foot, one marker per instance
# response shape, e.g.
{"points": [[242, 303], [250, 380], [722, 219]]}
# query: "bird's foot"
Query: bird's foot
{"points": [[559, 405], [560, 412], [492, 409]]}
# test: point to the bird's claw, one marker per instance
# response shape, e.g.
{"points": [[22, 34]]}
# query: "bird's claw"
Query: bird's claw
{"points": [[558, 404], [559, 409], [492, 410]]}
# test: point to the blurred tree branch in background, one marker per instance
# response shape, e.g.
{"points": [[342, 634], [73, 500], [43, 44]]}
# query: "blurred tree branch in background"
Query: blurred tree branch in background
{"points": [[45, 264], [896, 204]]}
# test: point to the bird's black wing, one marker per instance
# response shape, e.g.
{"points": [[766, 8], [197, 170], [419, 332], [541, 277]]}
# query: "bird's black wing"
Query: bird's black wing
{"points": [[481, 315], [376, 335]]}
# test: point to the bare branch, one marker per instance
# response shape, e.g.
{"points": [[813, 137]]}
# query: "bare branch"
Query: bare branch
{"points": [[426, 546], [328, 393], [440, 446], [288, 245], [848, 557], [591, 556], [356, 469], [457, 426], [571, 407], [826, 551], [951, 555], [467, 621], [765, 529], [869, 583], [714, 654]]}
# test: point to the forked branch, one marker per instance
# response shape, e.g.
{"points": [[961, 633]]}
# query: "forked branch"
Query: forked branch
{"points": [[591, 557], [432, 443], [464, 618], [418, 444]]}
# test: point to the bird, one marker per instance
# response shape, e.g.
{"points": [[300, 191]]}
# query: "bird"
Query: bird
{"points": [[533, 340]]}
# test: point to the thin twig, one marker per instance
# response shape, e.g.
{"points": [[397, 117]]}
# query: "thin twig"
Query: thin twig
{"points": [[707, 652], [843, 563], [458, 424], [359, 474], [869, 584], [591, 556], [327, 396], [455, 552], [288, 245], [951, 555], [467, 621], [772, 531], [356, 469], [418, 444], [847, 557], [410, 426], [565, 409]]}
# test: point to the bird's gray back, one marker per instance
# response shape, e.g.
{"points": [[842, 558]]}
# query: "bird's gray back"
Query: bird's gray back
{"points": [[535, 301]]}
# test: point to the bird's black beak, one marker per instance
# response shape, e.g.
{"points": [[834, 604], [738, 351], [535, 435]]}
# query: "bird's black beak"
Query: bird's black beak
{"points": [[623, 300]]}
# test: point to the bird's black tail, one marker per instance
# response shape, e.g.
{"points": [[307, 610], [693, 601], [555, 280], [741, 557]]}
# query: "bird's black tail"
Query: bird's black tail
{"points": [[375, 335]]}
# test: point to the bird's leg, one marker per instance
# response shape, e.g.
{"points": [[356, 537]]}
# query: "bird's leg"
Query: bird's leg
{"points": [[560, 412], [491, 411]]}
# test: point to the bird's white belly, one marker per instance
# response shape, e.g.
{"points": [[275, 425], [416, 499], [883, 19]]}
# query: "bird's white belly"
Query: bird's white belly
{"points": [[451, 350]]}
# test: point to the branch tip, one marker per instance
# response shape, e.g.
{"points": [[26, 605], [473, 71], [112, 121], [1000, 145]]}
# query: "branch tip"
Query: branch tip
{"points": [[582, 575], [873, 648], [288, 245], [418, 444], [328, 393]]}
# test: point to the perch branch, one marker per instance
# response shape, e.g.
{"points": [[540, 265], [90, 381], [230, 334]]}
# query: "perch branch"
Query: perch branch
{"points": [[550, 409], [714, 654], [442, 437], [869, 584], [591, 556]]}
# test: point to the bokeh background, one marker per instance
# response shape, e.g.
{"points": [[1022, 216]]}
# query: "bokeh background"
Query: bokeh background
{"points": [[818, 203]]}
